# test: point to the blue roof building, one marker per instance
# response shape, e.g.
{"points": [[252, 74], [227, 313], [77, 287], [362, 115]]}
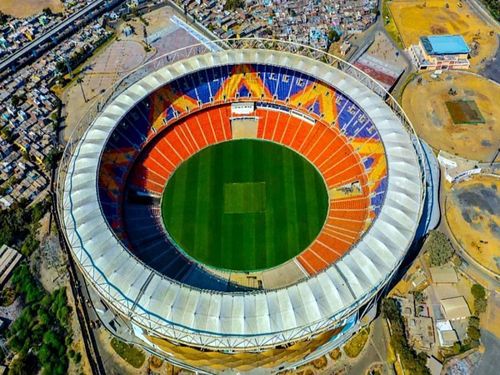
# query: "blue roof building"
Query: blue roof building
{"points": [[440, 52], [445, 45]]}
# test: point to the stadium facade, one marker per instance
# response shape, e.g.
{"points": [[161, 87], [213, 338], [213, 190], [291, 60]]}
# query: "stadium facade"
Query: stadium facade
{"points": [[120, 157]]}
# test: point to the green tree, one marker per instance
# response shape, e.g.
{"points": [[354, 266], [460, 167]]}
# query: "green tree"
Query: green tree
{"points": [[480, 306], [439, 247], [390, 309], [3, 18], [15, 100], [234, 4], [52, 158], [29, 245], [23, 364], [494, 8], [479, 294], [333, 36], [478, 291]]}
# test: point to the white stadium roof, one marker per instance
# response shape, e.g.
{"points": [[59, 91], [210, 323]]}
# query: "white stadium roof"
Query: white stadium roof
{"points": [[262, 317]]}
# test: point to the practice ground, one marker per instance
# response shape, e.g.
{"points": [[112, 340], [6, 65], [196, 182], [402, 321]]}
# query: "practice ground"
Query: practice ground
{"points": [[27, 8], [245, 205], [413, 20], [473, 214], [119, 57], [425, 105]]}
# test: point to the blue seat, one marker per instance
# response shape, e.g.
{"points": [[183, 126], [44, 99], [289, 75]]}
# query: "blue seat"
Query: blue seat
{"points": [[377, 198], [150, 244]]}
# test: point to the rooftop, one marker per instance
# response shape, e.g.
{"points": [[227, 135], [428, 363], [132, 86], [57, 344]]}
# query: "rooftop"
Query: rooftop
{"points": [[455, 308], [445, 274], [444, 44]]}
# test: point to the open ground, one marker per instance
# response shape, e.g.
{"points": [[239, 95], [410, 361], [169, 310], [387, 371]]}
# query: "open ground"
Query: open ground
{"points": [[473, 215], [414, 19], [119, 57], [425, 105], [26, 8], [245, 205]]}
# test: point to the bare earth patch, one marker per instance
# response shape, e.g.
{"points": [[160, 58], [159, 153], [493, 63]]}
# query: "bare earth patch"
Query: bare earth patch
{"points": [[425, 105], [118, 58], [472, 212], [28, 8], [418, 18]]}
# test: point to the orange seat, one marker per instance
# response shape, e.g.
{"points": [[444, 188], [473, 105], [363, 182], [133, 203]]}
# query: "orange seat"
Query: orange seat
{"points": [[290, 130], [311, 262]]}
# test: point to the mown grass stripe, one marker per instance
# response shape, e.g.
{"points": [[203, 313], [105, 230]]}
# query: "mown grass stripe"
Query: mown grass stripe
{"points": [[193, 205]]}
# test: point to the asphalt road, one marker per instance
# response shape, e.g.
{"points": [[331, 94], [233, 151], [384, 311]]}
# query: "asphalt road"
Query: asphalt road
{"points": [[375, 350], [488, 364], [492, 68], [483, 13]]}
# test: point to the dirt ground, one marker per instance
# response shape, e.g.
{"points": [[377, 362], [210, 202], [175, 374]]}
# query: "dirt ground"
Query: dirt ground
{"points": [[27, 8], [424, 103], [119, 57], [414, 20], [473, 214]]}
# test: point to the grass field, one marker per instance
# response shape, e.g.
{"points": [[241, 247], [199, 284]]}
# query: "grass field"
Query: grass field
{"points": [[464, 112], [245, 205], [128, 352]]}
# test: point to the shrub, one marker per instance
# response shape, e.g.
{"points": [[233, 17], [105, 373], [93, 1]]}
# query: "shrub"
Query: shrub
{"points": [[357, 343], [412, 362], [439, 247], [479, 294], [128, 352]]}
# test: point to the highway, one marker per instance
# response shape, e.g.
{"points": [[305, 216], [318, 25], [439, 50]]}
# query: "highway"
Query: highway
{"points": [[62, 27]]}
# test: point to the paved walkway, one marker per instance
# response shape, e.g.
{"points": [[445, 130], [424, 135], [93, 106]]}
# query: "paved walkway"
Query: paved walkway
{"points": [[375, 350]]}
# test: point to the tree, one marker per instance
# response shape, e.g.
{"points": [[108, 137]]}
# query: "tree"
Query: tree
{"points": [[23, 364], [473, 333], [419, 297], [79, 80], [3, 18], [333, 36], [494, 8], [52, 158], [61, 66], [78, 357], [474, 321], [439, 247], [480, 305], [15, 100], [479, 294], [390, 308], [478, 291], [234, 4], [6, 134]]}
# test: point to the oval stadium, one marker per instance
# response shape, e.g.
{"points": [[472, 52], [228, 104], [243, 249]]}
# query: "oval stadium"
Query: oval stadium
{"points": [[242, 208]]}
